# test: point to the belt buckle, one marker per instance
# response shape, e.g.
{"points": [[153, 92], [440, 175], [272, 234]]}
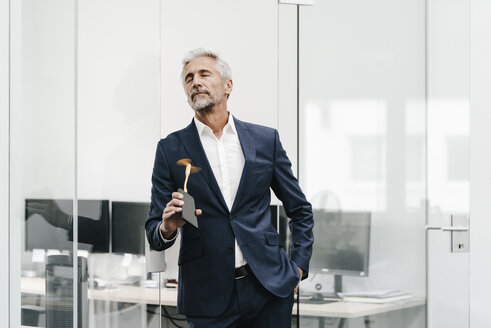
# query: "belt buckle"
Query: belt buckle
{"points": [[244, 270]]}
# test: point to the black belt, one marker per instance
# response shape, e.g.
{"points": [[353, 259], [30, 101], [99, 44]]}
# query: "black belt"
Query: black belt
{"points": [[242, 271]]}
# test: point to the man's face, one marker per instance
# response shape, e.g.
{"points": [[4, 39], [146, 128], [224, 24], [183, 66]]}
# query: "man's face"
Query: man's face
{"points": [[203, 84]]}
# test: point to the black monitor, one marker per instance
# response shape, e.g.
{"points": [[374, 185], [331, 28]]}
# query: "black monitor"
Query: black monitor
{"points": [[47, 229], [341, 243], [128, 227]]}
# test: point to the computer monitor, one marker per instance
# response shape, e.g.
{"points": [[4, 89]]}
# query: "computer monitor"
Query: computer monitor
{"points": [[341, 243], [128, 227], [44, 231]]}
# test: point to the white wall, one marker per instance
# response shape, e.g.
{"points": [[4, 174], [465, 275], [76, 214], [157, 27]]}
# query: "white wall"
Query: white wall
{"points": [[4, 163], [480, 183]]}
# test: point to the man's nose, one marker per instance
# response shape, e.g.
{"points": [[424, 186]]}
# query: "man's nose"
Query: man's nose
{"points": [[197, 81]]}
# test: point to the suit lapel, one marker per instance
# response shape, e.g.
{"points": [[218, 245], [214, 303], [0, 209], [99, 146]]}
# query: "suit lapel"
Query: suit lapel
{"points": [[249, 149], [192, 143]]}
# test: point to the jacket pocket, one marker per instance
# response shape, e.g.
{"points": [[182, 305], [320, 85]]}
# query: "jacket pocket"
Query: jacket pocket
{"points": [[273, 239]]}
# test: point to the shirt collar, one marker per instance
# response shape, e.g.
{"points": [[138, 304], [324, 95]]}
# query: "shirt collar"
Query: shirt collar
{"points": [[200, 126]]}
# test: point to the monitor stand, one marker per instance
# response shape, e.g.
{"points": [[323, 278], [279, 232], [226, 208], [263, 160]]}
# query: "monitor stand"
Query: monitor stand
{"points": [[338, 284], [323, 298], [338, 288]]}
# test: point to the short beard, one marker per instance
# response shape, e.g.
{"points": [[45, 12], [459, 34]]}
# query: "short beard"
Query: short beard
{"points": [[201, 106]]}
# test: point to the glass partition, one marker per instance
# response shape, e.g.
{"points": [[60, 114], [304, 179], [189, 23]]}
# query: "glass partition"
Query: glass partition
{"points": [[362, 151], [97, 84], [42, 166], [118, 128], [85, 119]]}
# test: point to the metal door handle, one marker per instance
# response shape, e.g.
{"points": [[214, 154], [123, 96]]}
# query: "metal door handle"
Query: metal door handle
{"points": [[457, 228], [459, 232]]}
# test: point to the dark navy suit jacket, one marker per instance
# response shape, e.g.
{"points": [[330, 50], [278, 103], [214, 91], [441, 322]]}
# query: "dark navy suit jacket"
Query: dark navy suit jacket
{"points": [[206, 257]]}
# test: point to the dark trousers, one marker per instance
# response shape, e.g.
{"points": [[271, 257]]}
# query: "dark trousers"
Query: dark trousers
{"points": [[251, 306]]}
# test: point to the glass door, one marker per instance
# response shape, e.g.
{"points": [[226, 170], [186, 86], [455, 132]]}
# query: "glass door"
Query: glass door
{"points": [[362, 157]]}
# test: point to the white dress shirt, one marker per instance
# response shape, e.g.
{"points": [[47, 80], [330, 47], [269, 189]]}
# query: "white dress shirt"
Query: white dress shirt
{"points": [[227, 162]]}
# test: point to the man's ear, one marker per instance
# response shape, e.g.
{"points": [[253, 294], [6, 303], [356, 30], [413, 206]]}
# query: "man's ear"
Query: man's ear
{"points": [[229, 85]]}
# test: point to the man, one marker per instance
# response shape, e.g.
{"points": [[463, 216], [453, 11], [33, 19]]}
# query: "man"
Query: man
{"points": [[233, 270]]}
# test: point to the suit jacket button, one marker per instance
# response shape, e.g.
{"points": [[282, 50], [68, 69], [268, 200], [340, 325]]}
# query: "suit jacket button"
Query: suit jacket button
{"points": [[232, 216], [230, 250]]}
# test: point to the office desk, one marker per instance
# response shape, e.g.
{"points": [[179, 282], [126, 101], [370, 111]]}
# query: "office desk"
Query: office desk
{"points": [[122, 293], [133, 294], [354, 310]]}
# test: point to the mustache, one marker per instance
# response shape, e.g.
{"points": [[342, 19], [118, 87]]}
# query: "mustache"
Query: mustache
{"points": [[198, 90]]}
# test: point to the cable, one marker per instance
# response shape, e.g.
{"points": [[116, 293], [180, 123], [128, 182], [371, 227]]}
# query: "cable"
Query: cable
{"points": [[167, 316], [171, 319]]}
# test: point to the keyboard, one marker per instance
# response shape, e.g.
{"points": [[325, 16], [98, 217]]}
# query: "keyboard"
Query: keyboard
{"points": [[317, 299]]}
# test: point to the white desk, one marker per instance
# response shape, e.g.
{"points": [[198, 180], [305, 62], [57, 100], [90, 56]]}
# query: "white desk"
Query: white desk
{"points": [[122, 293], [354, 310], [133, 294]]}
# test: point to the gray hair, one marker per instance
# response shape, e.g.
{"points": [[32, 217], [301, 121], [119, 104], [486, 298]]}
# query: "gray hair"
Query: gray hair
{"points": [[221, 65]]}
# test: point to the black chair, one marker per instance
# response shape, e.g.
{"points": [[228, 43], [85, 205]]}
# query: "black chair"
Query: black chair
{"points": [[30, 315]]}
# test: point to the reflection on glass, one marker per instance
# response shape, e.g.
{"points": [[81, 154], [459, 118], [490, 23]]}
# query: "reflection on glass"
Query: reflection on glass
{"points": [[345, 140], [49, 225], [128, 233]]}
